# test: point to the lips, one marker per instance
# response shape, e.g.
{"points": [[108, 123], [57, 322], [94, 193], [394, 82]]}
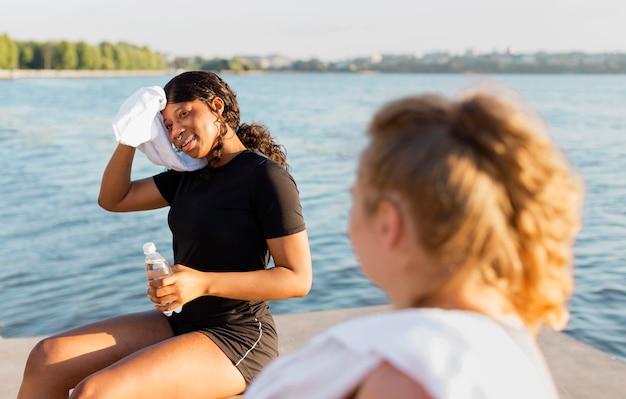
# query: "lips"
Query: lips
{"points": [[187, 144]]}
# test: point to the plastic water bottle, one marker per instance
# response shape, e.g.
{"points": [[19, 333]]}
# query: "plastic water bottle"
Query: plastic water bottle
{"points": [[157, 268]]}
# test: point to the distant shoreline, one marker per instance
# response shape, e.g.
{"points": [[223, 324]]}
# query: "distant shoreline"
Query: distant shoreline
{"points": [[14, 74], [10, 74]]}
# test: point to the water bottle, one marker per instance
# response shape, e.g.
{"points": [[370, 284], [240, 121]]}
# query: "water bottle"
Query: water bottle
{"points": [[157, 268]]}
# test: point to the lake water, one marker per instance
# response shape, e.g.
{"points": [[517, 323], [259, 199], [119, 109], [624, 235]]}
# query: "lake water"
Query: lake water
{"points": [[66, 262]]}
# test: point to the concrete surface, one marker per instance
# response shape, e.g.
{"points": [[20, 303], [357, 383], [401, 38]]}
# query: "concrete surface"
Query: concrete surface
{"points": [[580, 371]]}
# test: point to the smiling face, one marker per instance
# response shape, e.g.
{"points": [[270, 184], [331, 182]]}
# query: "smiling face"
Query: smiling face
{"points": [[193, 127]]}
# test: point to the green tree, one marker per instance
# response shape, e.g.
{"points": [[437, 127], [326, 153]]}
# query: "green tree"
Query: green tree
{"points": [[216, 64], [80, 55], [150, 59], [108, 56], [48, 50], [240, 65], [31, 55], [122, 53], [88, 56], [27, 55], [65, 55], [9, 55]]}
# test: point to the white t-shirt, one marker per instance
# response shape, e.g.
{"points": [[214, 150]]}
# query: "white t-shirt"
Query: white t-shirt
{"points": [[452, 354]]}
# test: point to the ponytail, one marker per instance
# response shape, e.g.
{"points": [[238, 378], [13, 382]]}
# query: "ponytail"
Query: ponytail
{"points": [[257, 137]]}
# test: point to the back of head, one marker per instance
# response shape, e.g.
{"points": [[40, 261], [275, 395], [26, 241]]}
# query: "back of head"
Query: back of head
{"points": [[487, 190]]}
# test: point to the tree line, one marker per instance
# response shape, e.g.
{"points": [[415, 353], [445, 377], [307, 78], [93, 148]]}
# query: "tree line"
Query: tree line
{"points": [[77, 55], [124, 56]]}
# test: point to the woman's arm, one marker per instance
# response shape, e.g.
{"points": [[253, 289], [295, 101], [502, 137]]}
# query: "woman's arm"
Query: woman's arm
{"points": [[119, 194], [291, 277]]}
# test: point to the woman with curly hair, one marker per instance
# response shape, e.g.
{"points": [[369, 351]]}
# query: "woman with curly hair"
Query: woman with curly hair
{"points": [[226, 219], [465, 214]]}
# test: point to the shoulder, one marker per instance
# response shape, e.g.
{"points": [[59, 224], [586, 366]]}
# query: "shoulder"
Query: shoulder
{"points": [[416, 329], [445, 351], [166, 182], [269, 171], [386, 381], [415, 321], [254, 160]]}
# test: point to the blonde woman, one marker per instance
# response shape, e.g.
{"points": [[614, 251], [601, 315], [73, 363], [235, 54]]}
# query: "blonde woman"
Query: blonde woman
{"points": [[465, 213]]}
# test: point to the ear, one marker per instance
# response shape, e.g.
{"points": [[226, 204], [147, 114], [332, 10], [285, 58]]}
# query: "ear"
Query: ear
{"points": [[390, 224], [218, 105]]}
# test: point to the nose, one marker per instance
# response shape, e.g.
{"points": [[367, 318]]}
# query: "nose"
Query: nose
{"points": [[176, 133]]}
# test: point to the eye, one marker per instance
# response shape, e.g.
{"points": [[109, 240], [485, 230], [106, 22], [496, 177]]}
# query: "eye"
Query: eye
{"points": [[183, 114], [168, 127]]}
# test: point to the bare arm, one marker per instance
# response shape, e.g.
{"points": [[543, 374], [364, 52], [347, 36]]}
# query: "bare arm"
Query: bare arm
{"points": [[119, 194], [290, 277], [386, 381]]}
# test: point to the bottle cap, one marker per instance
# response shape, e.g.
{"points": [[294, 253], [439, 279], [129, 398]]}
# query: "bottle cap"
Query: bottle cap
{"points": [[149, 248]]}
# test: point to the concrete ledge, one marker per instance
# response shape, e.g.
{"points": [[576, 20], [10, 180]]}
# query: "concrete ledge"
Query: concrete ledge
{"points": [[580, 371]]}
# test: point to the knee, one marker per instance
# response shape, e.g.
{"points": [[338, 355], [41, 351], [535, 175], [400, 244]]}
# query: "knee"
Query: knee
{"points": [[44, 354], [86, 389], [42, 374], [94, 387]]}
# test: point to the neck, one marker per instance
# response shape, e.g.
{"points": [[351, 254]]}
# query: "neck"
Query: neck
{"points": [[232, 147], [470, 292]]}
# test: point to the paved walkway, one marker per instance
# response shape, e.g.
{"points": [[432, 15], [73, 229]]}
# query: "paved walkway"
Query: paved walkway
{"points": [[580, 371]]}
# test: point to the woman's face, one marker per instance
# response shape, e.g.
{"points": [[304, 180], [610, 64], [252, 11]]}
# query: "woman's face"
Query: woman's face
{"points": [[362, 234], [193, 127], [388, 251]]}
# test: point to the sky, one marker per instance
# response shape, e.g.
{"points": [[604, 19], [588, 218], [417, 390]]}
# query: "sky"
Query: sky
{"points": [[324, 29]]}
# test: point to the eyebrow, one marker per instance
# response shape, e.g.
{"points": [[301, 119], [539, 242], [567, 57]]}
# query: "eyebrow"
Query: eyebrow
{"points": [[175, 111]]}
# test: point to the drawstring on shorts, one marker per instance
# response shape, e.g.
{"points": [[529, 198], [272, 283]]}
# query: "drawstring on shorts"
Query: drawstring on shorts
{"points": [[255, 344]]}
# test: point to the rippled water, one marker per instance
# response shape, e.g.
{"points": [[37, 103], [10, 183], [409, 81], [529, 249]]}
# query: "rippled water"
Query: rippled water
{"points": [[66, 262]]}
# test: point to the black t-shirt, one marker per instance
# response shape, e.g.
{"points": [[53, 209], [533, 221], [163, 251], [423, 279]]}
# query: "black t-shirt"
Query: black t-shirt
{"points": [[220, 224]]}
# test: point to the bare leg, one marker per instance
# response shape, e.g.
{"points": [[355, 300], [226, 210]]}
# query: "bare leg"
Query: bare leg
{"points": [[59, 362], [188, 366]]}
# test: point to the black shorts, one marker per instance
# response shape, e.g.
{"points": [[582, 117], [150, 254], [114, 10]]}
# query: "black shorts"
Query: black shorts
{"points": [[249, 345]]}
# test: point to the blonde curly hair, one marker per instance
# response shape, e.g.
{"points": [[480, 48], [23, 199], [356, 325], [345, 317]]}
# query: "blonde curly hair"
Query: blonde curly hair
{"points": [[488, 190]]}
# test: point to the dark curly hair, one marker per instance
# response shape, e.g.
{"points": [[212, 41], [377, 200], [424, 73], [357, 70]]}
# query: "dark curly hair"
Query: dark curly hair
{"points": [[205, 86]]}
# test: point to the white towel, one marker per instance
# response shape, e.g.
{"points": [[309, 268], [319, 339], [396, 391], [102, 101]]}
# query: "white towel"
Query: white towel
{"points": [[139, 124]]}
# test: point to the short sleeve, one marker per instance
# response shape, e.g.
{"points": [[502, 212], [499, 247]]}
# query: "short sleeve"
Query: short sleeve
{"points": [[167, 183], [276, 201]]}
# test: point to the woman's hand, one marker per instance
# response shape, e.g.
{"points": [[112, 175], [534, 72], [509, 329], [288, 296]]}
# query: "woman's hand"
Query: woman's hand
{"points": [[184, 285]]}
